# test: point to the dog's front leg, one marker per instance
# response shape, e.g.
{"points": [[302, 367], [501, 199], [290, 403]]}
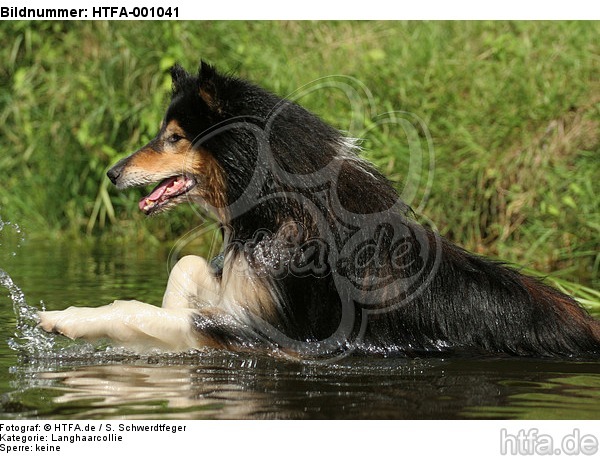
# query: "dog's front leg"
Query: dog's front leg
{"points": [[131, 324], [192, 284]]}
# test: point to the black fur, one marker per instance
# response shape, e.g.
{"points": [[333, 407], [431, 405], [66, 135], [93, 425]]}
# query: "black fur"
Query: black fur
{"points": [[348, 267]]}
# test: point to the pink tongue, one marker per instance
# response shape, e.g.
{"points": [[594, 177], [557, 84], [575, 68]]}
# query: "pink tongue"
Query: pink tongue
{"points": [[157, 192]]}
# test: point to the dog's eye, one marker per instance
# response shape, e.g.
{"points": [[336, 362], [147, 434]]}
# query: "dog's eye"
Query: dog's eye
{"points": [[174, 138]]}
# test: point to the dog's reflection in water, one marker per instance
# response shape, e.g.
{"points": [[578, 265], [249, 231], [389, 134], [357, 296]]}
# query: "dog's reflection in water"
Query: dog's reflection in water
{"points": [[143, 391]]}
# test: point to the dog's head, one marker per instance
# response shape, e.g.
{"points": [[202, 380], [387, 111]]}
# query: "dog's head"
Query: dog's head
{"points": [[177, 158], [235, 148]]}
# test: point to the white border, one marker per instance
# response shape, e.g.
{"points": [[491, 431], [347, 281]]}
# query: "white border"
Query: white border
{"points": [[352, 9], [312, 438]]}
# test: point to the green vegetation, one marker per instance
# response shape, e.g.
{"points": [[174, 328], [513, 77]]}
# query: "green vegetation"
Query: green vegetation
{"points": [[512, 108]]}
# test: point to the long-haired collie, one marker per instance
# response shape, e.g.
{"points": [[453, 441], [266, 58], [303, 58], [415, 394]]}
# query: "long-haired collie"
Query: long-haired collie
{"points": [[320, 258]]}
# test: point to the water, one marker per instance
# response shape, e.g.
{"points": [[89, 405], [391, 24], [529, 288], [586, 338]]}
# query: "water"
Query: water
{"points": [[67, 380]]}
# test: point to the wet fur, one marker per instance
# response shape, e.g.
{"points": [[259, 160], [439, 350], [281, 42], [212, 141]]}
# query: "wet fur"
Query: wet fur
{"points": [[292, 277]]}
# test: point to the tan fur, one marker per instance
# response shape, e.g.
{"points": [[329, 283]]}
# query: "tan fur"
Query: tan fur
{"points": [[148, 161], [214, 186], [175, 159]]}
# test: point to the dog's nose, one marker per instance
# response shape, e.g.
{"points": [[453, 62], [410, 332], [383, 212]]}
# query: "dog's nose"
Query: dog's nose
{"points": [[115, 172], [113, 175]]}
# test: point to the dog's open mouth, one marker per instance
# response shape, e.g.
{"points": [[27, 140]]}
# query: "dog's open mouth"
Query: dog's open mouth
{"points": [[165, 192]]}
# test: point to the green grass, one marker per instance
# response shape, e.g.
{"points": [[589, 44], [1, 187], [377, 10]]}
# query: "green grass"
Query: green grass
{"points": [[512, 109]]}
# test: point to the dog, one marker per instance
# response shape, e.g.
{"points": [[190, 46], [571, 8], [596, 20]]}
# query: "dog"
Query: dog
{"points": [[320, 257]]}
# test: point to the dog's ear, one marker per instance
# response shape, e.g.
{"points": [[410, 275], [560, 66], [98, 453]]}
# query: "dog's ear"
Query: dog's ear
{"points": [[178, 76], [207, 85]]}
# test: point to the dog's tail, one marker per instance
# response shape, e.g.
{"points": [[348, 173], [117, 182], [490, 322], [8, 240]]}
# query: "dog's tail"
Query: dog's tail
{"points": [[515, 313], [561, 325]]}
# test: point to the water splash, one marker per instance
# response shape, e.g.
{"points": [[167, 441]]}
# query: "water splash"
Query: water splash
{"points": [[28, 338]]}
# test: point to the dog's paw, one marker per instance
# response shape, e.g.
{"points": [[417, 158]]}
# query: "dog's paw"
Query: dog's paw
{"points": [[65, 322], [47, 321]]}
